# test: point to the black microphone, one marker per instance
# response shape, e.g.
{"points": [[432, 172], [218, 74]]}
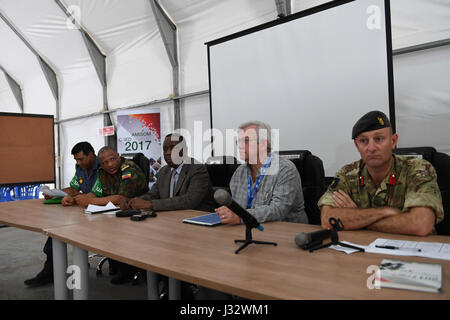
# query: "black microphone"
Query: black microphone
{"points": [[140, 217], [310, 240], [223, 198], [127, 213]]}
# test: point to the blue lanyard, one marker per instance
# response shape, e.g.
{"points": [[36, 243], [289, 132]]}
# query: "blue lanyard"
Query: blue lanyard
{"points": [[251, 193]]}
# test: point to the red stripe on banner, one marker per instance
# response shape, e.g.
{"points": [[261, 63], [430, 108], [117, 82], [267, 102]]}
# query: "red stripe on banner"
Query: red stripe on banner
{"points": [[150, 121]]}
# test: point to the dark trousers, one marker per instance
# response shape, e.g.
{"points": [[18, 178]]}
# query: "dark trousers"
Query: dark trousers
{"points": [[122, 267], [48, 247]]}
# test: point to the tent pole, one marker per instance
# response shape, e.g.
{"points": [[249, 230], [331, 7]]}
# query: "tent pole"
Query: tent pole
{"points": [[168, 31]]}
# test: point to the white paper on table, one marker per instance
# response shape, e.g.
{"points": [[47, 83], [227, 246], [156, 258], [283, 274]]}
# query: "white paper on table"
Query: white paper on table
{"points": [[92, 208], [347, 250], [435, 250], [54, 193]]}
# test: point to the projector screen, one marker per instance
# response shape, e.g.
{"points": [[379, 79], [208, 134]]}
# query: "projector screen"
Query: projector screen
{"points": [[27, 154], [310, 75]]}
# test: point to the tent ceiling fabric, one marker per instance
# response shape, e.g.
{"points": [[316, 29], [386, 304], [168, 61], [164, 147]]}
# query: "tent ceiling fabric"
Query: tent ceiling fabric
{"points": [[44, 25], [23, 66], [6, 96], [199, 21], [138, 70]]}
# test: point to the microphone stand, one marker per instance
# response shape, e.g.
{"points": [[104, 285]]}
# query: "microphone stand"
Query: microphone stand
{"points": [[336, 225], [248, 239]]}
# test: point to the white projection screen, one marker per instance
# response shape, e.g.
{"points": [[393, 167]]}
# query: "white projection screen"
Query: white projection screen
{"points": [[311, 75]]}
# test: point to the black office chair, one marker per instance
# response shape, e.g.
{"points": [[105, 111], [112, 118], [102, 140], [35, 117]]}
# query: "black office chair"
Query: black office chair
{"points": [[220, 170], [441, 163], [312, 175]]}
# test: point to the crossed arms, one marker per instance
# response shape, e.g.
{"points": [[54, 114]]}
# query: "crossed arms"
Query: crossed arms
{"points": [[416, 221]]}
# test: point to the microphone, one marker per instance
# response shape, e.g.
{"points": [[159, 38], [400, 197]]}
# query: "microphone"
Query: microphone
{"points": [[223, 198], [140, 217], [309, 240]]}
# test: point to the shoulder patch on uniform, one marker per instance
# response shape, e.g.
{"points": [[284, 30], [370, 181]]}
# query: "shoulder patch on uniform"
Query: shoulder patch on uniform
{"points": [[334, 183], [423, 173], [126, 175]]}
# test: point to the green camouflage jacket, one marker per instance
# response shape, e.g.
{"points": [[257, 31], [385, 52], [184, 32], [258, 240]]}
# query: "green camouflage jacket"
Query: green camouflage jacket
{"points": [[412, 182], [129, 181]]}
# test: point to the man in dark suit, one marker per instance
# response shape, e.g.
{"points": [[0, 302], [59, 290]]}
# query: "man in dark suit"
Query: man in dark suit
{"points": [[181, 184]]}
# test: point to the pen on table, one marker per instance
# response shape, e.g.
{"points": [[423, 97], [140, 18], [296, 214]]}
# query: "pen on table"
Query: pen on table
{"points": [[398, 248], [106, 210]]}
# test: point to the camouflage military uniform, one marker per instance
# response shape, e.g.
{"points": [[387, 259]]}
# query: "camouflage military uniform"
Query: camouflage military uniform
{"points": [[129, 181], [410, 183]]}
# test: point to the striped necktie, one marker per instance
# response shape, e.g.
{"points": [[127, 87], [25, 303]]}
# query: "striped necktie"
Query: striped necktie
{"points": [[173, 182]]}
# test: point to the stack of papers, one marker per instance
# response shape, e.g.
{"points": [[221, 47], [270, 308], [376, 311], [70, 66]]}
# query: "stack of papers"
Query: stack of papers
{"points": [[110, 208], [55, 193]]}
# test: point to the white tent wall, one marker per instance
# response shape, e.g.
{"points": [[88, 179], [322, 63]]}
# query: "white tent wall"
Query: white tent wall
{"points": [[413, 21], [416, 22], [422, 78], [198, 22], [87, 129], [37, 97], [8, 102], [422, 98], [137, 67], [73, 132], [138, 70], [196, 121]]}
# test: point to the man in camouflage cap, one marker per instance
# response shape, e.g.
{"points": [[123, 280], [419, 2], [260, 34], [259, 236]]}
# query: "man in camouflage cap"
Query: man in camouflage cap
{"points": [[383, 191]]}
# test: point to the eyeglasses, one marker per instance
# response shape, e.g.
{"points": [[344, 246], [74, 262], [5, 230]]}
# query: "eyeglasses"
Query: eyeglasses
{"points": [[245, 140]]}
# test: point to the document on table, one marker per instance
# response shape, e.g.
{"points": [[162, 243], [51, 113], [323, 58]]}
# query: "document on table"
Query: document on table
{"points": [[345, 249], [110, 208], [54, 193], [435, 250]]}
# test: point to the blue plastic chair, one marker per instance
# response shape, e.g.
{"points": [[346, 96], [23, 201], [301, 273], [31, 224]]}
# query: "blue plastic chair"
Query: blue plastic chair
{"points": [[5, 194], [15, 193], [36, 191], [29, 192]]}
